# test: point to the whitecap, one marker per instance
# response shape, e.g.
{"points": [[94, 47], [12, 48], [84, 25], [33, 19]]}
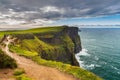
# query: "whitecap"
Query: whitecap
{"points": [[98, 65], [92, 66], [83, 53]]}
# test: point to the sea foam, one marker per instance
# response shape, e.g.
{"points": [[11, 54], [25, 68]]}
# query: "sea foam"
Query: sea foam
{"points": [[81, 53], [82, 64]]}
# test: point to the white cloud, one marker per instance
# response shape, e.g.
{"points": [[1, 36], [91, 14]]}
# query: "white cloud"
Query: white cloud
{"points": [[47, 9], [18, 18], [12, 22], [42, 21]]}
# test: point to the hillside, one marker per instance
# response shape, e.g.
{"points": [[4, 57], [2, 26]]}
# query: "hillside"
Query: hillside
{"points": [[49, 47]]}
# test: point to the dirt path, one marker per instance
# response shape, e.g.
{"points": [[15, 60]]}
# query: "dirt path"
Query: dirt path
{"points": [[35, 71], [6, 74]]}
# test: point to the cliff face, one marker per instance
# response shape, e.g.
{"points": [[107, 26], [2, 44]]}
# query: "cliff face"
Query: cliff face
{"points": [[73, 33], [58, 46]]}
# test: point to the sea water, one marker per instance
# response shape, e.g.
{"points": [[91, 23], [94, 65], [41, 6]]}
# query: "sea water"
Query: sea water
{"points": [[101, 52]]}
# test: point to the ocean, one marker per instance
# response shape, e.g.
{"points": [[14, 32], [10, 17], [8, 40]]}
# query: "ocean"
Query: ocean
{"points": [[101, 52]]}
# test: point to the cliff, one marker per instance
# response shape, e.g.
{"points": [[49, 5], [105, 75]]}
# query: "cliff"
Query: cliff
{"points": [[49, 46], [60, 45]]}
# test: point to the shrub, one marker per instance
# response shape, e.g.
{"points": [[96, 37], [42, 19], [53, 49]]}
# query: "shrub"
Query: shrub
{"points": [[19, 71], [6, 61]]}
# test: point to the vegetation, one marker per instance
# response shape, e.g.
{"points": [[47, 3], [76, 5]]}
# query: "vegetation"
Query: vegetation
{"points": [[36, 49], [22, 52], [19, 71], [19, 74], [33, 47], [68, 42], [35, 30], [76, 71], [6, 61], [23, 77]]}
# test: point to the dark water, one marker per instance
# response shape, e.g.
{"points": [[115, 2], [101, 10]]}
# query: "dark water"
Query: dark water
{"points": [[101, 52]]}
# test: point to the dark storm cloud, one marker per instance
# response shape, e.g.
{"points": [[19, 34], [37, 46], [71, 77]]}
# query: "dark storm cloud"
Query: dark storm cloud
{"points": [[29, 10]]}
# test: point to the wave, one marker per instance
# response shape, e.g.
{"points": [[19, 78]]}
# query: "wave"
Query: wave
{"points": [[82, 64], [81, 53], [92, 66], [84, 52]]}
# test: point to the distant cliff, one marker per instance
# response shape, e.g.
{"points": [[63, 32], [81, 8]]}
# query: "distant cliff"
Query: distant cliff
{"points": [[51, 43]]}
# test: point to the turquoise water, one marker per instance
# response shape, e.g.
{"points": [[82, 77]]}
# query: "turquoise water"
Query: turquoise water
{"points": [[101, 52]]}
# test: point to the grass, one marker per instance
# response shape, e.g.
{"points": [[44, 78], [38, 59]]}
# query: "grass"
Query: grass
{"points": [[35, 30], [22, 52], [19, 74], [19, 71], [23, 77], [68, 42]]}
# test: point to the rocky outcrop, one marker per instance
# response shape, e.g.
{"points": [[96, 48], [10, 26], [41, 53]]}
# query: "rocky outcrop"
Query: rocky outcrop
{"points": [[58, 46], [73, 33]]}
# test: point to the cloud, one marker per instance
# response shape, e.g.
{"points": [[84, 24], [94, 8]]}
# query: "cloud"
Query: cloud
{"points": [[46, 11], [11, 22]]}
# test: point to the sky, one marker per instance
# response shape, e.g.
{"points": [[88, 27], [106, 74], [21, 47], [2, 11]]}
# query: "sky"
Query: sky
{"points": [[101, 20], [59, 12]]}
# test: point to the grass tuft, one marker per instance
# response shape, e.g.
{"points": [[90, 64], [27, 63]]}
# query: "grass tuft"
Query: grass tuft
{"points": [[19, 71], [23, 77]]}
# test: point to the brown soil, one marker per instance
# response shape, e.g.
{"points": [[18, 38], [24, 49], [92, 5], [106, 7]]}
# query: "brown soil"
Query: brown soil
{"points": [[6, 74]]}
